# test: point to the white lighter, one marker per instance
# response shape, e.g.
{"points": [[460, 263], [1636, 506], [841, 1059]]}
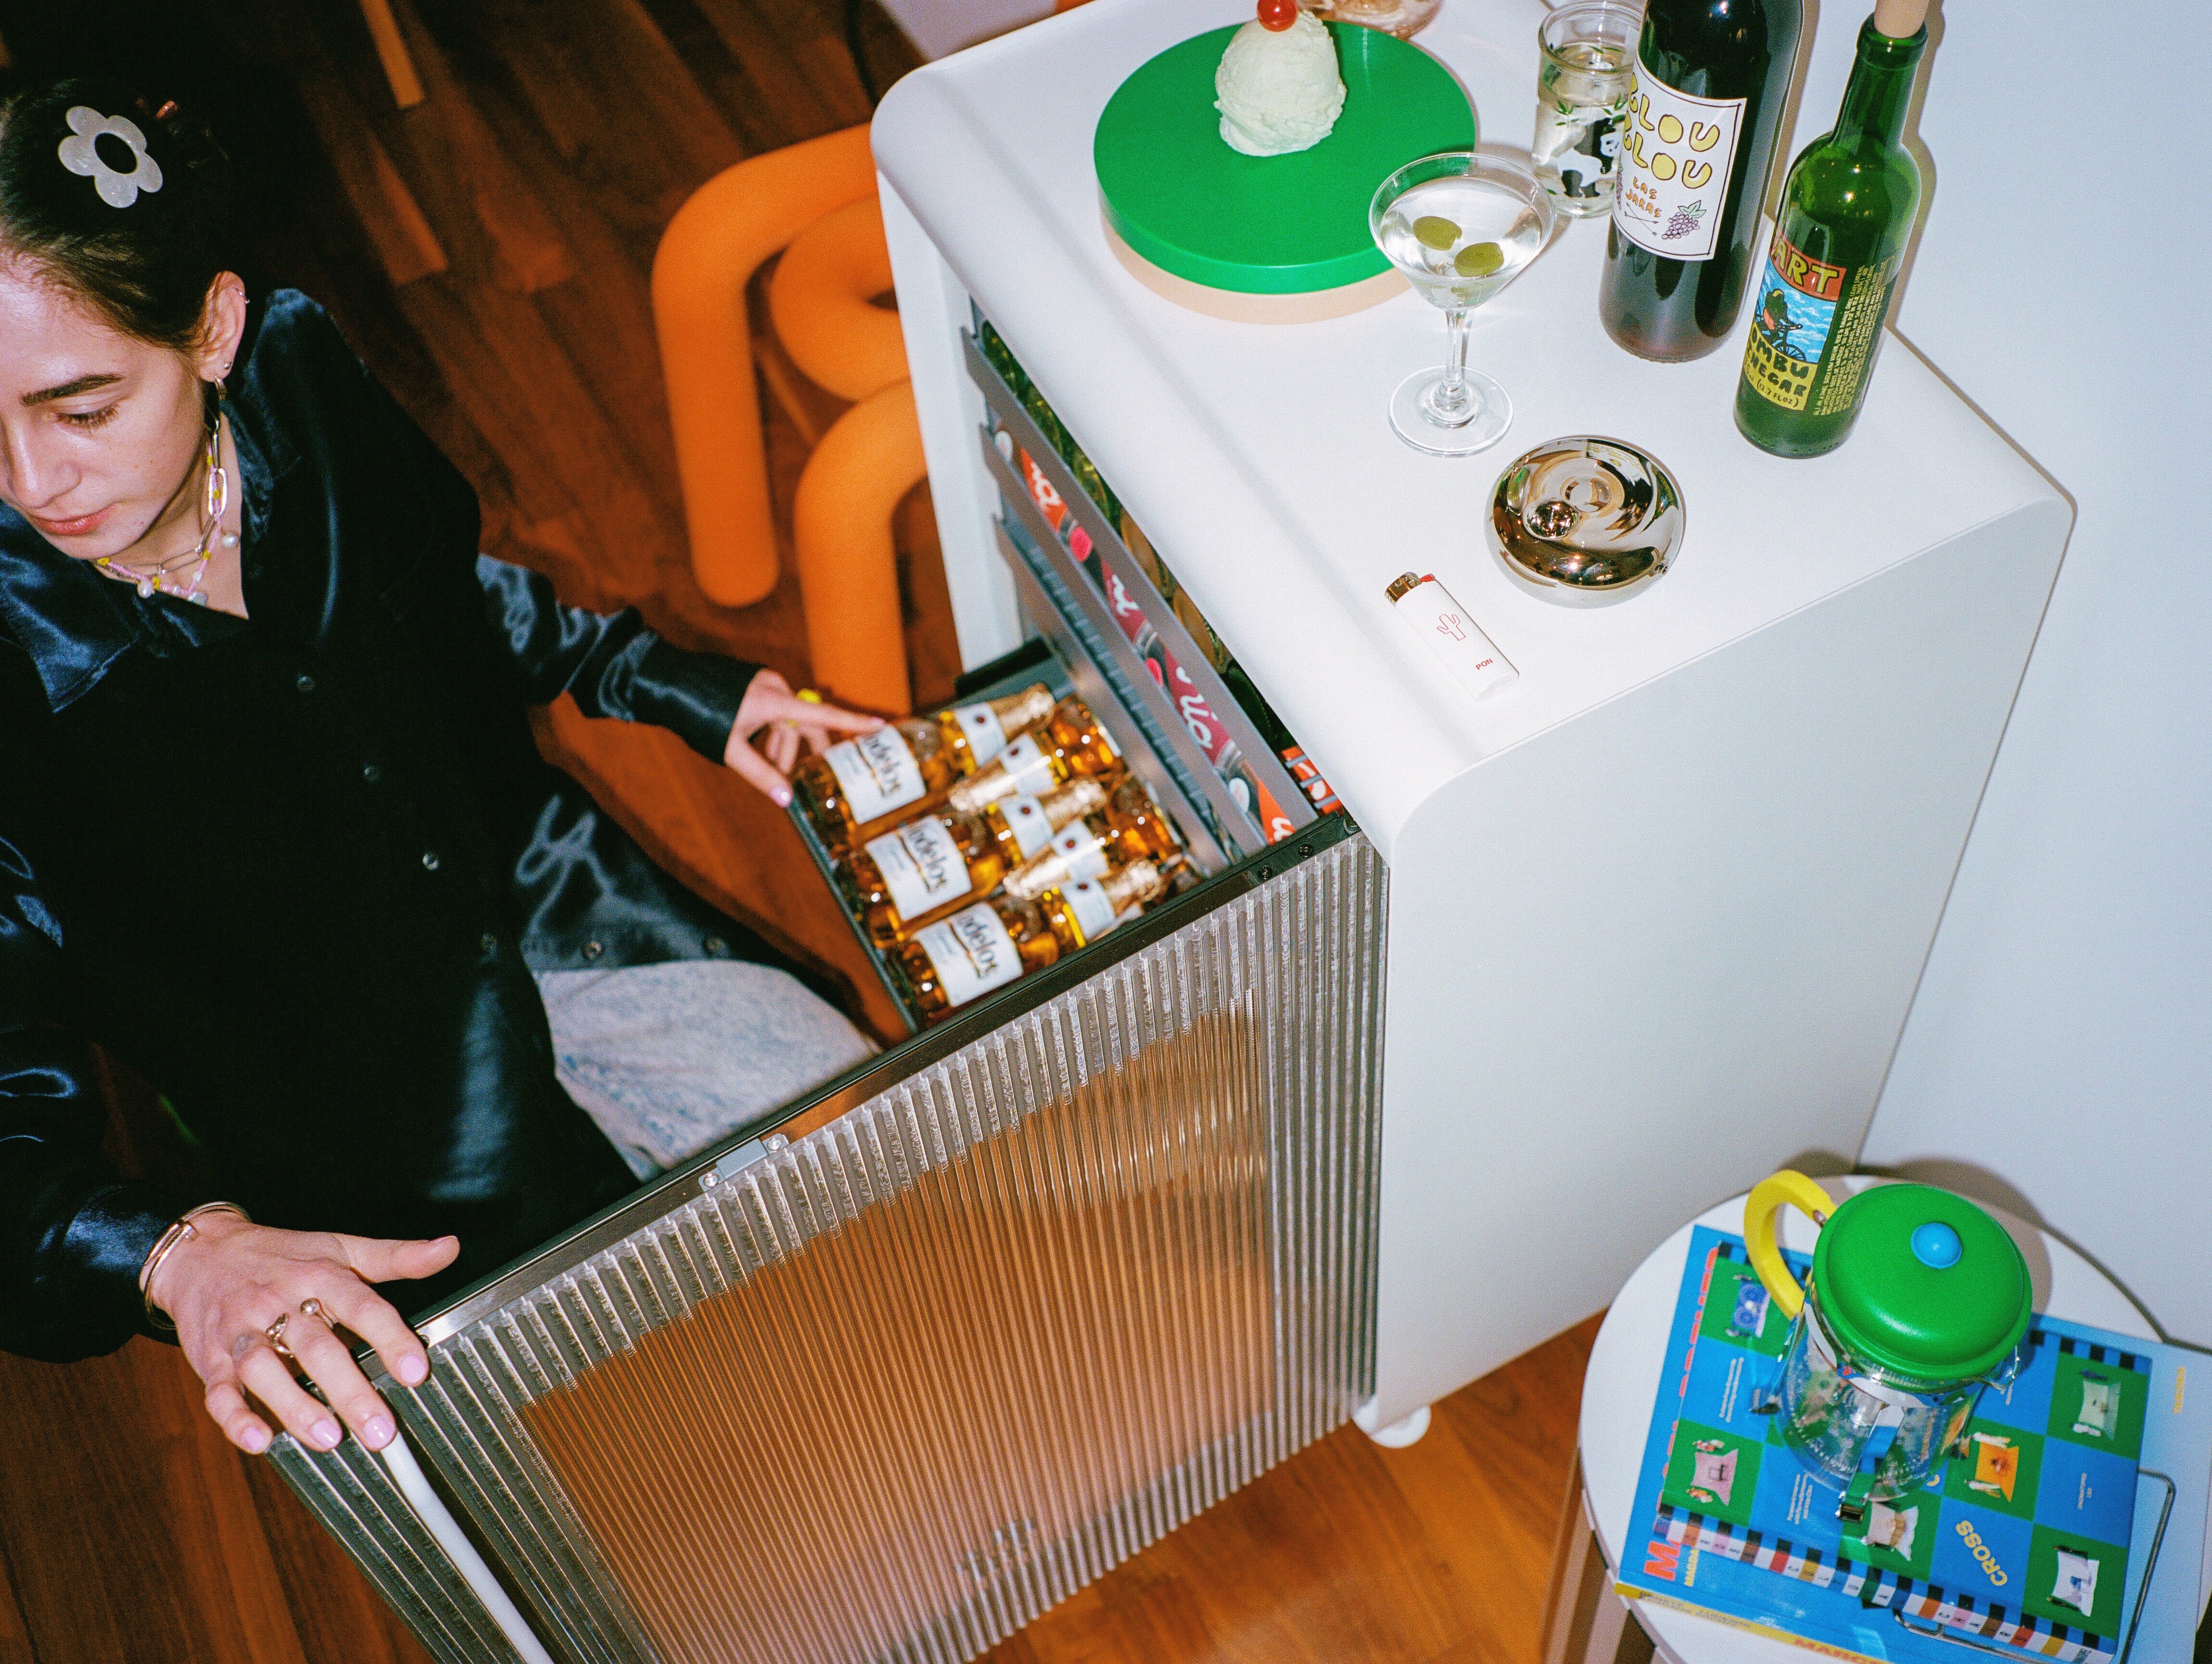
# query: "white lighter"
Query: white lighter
{"points": [[1471, 657]]}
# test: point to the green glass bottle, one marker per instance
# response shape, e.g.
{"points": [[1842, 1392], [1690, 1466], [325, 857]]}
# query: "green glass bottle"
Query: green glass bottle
{"points": [[1839, 241]]}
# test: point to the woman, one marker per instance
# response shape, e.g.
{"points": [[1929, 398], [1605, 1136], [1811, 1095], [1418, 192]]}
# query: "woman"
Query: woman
{"points": [[273, 829]]}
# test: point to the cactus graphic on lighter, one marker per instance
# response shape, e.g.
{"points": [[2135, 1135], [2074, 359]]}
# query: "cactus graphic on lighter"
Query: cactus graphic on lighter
{"points": [[1471, 657]]}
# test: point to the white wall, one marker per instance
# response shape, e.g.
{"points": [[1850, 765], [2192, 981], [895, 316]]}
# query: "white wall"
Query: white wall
{"points": [[2059, 1054]]}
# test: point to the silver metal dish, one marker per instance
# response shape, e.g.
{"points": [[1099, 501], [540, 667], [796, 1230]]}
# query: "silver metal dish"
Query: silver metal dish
{"points": [[1585, 519]]}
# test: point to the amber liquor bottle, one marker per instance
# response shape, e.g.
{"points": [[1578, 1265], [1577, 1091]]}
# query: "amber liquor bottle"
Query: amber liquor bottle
{"points": [[1069, 745], [1711, 78], [989, 944], [1839, 240], [1127, 829], [858, 783], [897, 883]]}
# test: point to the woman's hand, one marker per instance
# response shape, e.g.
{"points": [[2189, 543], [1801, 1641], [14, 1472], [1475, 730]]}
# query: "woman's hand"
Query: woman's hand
{"points": [[228, 1285], [770, 703]]}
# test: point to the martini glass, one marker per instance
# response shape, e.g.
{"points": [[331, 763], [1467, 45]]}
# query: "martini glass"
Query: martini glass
{"points": [[1460, 227]]}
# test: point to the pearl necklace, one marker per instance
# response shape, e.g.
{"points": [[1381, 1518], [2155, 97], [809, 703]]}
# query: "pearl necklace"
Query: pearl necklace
{"points": [[216, 504]]}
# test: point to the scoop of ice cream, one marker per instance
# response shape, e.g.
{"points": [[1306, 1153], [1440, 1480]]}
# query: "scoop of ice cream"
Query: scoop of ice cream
{"points": [[1278, 89]]}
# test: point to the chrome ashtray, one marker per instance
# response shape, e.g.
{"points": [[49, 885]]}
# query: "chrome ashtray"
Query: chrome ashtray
{"points": [[1585, 520]]}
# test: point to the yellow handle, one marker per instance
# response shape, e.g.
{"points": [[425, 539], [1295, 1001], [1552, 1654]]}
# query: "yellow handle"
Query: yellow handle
{"points": [[1759, 1208]]}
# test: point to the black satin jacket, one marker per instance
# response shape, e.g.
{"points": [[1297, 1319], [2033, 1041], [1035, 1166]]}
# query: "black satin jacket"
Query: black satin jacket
{"points": [[297, 870]]}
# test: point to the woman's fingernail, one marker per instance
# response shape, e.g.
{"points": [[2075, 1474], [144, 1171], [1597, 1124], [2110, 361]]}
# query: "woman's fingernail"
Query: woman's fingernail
{"points": [[414, 1370], [782, 798], [255, 1439], [325, 1433], [376, 1432]]}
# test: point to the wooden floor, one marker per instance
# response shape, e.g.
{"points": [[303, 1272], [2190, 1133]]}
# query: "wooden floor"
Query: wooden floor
{"points": [[1435, 1554], [487, 253]]}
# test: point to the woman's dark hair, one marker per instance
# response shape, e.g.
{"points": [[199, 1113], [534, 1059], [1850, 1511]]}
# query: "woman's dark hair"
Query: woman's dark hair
{"points": [[145, 267]]}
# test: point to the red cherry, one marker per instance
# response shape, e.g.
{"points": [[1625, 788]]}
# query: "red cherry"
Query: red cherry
{"points": [[1278, 15]]}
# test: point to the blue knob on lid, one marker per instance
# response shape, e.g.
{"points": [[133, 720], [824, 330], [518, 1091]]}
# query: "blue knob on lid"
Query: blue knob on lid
{"points": [[1936, 1245]]}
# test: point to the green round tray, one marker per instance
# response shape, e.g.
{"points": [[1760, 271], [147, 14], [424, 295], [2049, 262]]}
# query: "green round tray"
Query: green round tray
{"points": [[1182, 199]]}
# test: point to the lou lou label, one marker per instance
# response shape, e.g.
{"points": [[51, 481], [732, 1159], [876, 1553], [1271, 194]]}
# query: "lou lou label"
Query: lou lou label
{"points": [[1675, 152], [971, 952], [921, 866], [877, 773]]}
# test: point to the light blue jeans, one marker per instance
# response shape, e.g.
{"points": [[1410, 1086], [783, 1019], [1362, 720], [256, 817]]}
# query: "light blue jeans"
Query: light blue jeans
{"points": [[668, 1058]]}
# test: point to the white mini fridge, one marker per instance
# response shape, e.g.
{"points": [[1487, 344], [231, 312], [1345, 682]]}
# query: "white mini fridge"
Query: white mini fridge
{"points": [[1474, 1003]]}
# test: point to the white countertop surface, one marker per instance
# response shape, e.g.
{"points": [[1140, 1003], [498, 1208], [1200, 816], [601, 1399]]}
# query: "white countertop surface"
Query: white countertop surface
{"points": [[1260, 460]]}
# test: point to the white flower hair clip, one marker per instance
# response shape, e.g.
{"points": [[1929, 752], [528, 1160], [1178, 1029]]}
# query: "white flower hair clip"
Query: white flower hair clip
{"points": [[80, 154]]}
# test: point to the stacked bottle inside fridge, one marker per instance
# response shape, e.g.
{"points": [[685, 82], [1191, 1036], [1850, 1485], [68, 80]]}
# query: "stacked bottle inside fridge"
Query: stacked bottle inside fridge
{"points": [[1119, 758]]}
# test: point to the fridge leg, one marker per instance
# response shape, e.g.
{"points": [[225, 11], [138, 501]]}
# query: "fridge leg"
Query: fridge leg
{"points": [[1407, 1429]]}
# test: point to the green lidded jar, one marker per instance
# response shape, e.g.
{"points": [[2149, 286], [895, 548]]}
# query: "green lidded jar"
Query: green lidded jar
{"points": [[1922, 1283], [1917, 1299]]}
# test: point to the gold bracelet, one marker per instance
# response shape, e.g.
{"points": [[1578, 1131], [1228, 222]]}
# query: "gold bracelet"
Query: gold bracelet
{"points": [[178, 1233]]}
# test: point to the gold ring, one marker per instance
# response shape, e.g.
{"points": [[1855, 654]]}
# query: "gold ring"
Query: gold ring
{"points": [[809, 695], [275, 1333], [311, 1307]]}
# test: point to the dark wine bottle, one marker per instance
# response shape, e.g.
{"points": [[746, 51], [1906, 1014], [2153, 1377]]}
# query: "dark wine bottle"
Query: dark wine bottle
{"points": [[1711, 77], [1839, 238]]}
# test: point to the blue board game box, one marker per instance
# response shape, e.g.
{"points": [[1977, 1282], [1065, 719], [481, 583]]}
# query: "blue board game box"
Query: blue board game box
{"points": [[2025, 1543]]}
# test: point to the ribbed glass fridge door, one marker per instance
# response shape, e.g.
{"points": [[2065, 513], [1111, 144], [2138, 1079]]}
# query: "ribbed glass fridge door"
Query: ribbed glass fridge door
{"points": [[1042, 1292]]}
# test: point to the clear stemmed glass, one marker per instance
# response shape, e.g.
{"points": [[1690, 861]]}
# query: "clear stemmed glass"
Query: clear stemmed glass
{"points": [[1461, 226]]}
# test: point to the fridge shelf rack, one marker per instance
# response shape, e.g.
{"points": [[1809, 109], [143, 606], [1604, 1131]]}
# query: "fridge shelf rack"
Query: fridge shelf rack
{"points": [[1205, 727], [1111, 680]]}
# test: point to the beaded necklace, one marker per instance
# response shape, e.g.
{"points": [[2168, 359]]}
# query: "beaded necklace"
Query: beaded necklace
{"points": [[216, 504]]}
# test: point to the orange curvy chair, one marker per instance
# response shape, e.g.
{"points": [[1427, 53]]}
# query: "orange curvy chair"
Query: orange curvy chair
{"points": [[816, 203]]}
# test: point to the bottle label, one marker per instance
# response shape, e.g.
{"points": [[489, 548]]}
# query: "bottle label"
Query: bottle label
{"points": [[1025, 818], [987, 735], [1814, 328], [922, 867], [1075, 855], [1675, 153], [1090, 908], [971, 953], [876, 774], [1080, 852], [1028, 768]]}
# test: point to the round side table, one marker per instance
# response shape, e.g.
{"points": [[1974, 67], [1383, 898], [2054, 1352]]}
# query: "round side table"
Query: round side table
{"points": [[1585, 1622]]}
